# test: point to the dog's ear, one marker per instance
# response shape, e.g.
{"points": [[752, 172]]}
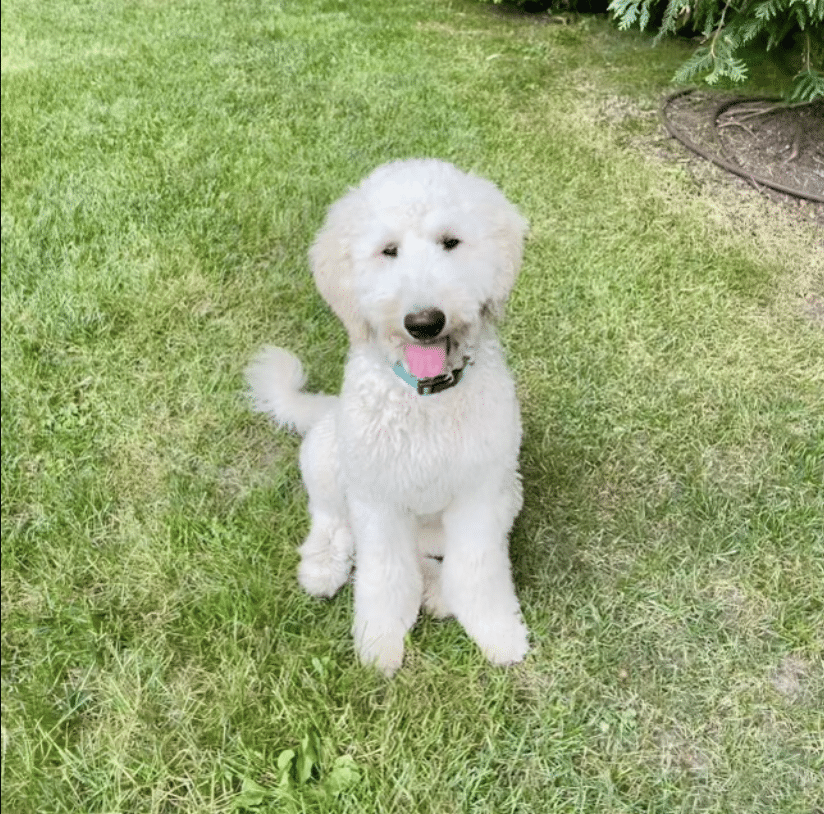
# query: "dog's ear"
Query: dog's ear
{"points": [[331, 260], [509, 229]]}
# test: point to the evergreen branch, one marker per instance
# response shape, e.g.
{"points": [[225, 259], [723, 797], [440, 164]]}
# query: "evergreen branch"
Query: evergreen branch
{"points": [[727, 25], [718, 30]]}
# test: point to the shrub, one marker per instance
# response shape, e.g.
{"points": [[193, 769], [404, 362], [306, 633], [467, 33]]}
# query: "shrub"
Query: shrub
{"points": [[733, 35]]}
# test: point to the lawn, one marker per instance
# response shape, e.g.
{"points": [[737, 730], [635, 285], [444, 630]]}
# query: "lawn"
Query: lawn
{"points": [[164, 168]]}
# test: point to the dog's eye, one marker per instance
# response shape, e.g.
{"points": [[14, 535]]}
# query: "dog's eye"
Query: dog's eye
{"points": [[450, 243], [391, 250]]}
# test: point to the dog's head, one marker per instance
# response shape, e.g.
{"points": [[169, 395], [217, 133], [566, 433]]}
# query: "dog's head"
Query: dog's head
{"points": [[416, 258]]}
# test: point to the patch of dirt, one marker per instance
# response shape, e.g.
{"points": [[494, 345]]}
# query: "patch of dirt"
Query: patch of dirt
{"points": [[679, 755], [789, 678], [776, 148], [256, 468], [735, 203], [761, 141], [814, 306], [630, 114]]}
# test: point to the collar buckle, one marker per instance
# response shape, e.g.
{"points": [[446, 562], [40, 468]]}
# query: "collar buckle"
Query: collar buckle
{"points": [[427, 387]]}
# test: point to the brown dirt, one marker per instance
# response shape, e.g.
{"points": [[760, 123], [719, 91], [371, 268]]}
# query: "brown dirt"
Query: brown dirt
{"points": [[771, 145], [735, 203]]}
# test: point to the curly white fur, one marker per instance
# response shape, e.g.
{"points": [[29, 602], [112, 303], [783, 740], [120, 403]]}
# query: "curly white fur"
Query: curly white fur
{"points": [[419, 491]]}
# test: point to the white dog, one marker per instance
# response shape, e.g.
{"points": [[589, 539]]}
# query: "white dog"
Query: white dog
{"points": [[413, 470]]}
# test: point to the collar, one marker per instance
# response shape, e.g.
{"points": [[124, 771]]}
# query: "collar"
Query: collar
{"points": [[428, 387]]}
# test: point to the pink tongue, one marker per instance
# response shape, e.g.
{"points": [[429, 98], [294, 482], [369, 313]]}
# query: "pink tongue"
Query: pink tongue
{"points": [[425, 361]]}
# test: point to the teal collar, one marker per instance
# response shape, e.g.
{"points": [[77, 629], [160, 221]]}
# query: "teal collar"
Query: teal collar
{"points": [[428, 387]]}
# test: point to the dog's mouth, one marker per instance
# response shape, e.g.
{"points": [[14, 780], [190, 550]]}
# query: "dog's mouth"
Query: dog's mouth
{"points": [[426, 361], [429, 351], [428, 367]]}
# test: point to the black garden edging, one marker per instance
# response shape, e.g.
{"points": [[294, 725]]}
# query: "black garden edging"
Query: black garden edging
{"points": [[806, 138]]}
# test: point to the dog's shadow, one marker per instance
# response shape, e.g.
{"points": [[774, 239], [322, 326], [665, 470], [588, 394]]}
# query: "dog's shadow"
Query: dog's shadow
{"points": [[545, 540]]}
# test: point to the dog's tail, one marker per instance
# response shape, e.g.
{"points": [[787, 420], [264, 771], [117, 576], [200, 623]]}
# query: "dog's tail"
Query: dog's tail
{"points": [[275, 378]]}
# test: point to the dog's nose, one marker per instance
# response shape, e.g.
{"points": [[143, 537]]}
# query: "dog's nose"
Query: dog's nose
{"points": [[426, 324]]}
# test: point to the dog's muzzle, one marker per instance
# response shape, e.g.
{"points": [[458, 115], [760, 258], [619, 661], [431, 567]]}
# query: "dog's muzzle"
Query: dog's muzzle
{"points": [[426, 358]]}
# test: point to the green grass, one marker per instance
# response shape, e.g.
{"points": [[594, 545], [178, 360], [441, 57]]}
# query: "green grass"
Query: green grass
{"points": [[164, 167]]}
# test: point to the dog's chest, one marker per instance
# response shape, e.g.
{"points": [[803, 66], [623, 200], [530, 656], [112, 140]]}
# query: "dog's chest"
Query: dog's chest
{"points": [[420, 451]]}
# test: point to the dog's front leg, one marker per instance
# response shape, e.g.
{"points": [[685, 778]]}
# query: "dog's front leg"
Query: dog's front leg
{"points": [[388, 581], [476, 578]]}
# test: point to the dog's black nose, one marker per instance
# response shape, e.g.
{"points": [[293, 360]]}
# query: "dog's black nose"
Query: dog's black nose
{"points": [[426, 324]]}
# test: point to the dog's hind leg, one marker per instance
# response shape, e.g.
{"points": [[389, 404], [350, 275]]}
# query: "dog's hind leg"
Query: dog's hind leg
{"points": [[433, 599], [328, 551]]}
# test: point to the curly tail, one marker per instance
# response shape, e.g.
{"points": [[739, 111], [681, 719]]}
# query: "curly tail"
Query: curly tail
{"points": [[275, 378]]}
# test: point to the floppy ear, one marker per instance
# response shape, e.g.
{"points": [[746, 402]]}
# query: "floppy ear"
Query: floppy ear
{"points": [[331, 260], [509, 230]]}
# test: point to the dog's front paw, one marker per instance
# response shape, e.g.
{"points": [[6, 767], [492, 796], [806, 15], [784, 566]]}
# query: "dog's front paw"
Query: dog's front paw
{"points": [[504, 641], [379, 647]]}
